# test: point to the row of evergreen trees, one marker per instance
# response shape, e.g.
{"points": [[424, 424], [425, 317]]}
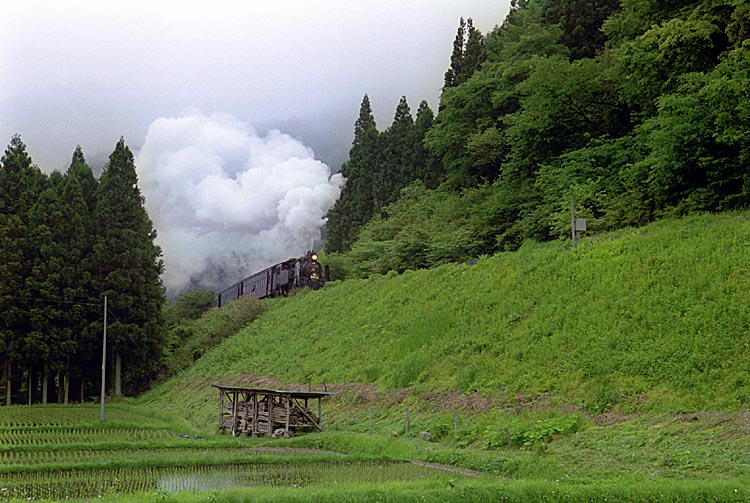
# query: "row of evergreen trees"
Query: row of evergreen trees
{"points": [[634, 109], [380, 165], [69, 240]]}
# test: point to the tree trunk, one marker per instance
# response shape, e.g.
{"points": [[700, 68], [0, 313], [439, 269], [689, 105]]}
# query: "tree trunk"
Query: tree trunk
{"points": [[31, 384], [7, 383], [45, 387], [66, 388], [118, 375], [59, 388]]}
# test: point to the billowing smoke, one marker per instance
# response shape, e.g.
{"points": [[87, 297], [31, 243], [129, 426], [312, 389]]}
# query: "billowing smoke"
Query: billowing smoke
{"points": [[226, 201]]}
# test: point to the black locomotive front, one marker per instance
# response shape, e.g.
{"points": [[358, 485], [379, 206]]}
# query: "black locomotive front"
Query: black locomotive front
{"points": [[311, 272]]}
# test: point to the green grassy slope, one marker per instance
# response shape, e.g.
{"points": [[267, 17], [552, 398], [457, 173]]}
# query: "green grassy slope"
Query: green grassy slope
{"points": [[652, 320], [563, 365]]}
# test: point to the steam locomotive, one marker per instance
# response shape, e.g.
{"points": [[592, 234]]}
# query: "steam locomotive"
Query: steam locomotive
{"points": [[279, 279]]}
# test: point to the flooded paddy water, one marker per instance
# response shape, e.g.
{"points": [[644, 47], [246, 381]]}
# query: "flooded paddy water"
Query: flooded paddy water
{"points": [[65, 484]]}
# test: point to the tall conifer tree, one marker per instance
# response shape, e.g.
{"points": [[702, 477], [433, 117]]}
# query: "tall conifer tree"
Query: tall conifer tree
{"points": [[427, 168], [78, 206], [473, 55], [20, 183], [128, 265], [47, 342], [397, 155], [457, 56], [355, 206], [468, 54]]}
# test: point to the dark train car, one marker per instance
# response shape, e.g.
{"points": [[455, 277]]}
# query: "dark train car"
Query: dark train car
{"points": [[279, 279], [224, 297], [257, 285]]}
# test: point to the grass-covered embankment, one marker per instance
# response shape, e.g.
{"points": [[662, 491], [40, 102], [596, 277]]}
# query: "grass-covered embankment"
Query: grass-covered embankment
{"points": [[651, 319], [625, 360]]}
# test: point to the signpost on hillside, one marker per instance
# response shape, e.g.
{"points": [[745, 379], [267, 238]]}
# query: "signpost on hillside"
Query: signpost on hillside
{"points": [[577, 225]]}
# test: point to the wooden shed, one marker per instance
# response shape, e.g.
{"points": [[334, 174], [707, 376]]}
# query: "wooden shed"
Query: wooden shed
{"points": [[259, 411]]}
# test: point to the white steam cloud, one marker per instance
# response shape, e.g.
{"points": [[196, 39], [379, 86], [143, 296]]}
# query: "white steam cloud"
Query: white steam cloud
{"points": [[226, 201]]}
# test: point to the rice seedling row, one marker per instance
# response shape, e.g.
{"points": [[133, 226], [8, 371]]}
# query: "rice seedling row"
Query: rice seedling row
{"points": [[16, 461], [17, 417], [63, 484], [60, 415], [58, 436]]}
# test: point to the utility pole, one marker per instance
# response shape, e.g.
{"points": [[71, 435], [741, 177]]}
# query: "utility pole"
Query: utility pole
{"points": [[104, 356]]}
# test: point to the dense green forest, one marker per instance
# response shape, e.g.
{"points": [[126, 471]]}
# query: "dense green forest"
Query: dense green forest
{"points": [[68, 241], [633, 110]]}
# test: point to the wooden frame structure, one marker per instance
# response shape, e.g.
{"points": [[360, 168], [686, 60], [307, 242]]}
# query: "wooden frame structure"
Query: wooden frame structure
{"points": [[259, 411]]}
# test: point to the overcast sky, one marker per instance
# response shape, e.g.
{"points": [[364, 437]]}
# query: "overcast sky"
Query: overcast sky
{"points": [[199, 90], [88, 72]]}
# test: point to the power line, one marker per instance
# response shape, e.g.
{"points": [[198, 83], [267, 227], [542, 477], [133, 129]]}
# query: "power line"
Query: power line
{"points": [[55, 301], [50, 301], [70, 302]]}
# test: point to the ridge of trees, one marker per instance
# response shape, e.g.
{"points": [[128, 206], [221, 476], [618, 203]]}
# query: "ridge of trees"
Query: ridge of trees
{"points": [[634, 109], [69, 240], [380, 165]]}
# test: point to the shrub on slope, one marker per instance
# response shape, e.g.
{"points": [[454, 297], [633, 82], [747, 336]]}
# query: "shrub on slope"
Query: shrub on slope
{"points": [[189, 339]]}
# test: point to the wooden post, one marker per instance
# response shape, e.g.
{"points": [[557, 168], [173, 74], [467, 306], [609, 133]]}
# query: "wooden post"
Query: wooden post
{"points": [[288, 413], [221, 410], [406, 422], [255, 413], [369, 412], [455, 419], [320, 415], [247, 413], [235, 396], [270, 415]]}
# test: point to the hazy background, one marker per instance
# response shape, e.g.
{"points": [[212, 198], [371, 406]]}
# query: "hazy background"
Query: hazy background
{"points": [[197, 88]]}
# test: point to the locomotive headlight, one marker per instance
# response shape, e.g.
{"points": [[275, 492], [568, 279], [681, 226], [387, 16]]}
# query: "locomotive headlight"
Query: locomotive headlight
{"points": [[314, 257]]}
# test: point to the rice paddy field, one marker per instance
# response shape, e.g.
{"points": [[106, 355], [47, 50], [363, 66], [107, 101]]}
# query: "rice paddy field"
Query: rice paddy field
{"points": [[65, 452]]}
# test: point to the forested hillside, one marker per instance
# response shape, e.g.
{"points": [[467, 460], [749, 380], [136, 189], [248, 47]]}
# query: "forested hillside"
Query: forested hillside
{"points": [[68, 241], [633, 110]]}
